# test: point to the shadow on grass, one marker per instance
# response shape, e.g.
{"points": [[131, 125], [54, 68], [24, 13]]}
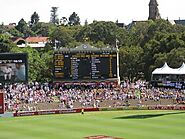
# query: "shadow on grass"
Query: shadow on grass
{"points": [[145, 116]]}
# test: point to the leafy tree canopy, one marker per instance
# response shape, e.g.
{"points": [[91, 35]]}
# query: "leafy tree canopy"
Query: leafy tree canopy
{"points": [[34, 19], [74, 19]]}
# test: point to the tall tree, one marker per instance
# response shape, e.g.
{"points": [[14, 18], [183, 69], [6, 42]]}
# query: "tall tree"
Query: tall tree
{"points": [[61, 36], [74, 19], [106, 32], [2, 28], [131, 62], [54, 17], [43, 29], [24, 28], [86, 22], [176, 57], [21, 25], [34, 19]]}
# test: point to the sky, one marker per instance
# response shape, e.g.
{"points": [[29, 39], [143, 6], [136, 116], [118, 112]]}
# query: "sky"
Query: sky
{"points": [[125, 11]]}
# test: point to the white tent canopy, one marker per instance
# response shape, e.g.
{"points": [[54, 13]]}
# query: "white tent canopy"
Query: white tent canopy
{"points": [[165, 69], [181, 70]]}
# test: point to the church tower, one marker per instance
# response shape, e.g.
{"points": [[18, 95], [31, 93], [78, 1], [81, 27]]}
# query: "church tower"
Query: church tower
{"points": [[153, 10]]}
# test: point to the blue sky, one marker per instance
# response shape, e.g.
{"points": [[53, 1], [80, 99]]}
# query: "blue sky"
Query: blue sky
{"points": [[108, 10]]}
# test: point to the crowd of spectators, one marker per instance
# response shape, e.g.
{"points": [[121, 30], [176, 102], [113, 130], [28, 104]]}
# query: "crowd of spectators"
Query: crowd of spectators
{"points": [[66, 96]]}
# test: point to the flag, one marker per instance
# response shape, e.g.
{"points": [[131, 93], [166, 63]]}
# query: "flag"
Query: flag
{"points": [[117, 42]]}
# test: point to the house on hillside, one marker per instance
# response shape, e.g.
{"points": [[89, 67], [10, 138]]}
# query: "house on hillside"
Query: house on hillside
{"points": [[34, 42], [10, 26]]}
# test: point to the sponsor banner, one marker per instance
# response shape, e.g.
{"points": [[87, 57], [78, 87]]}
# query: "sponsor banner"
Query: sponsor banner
{"points": [[67, 111], [111, 109], [47, 112], [1, 103], [44, 112], [166, 107], [124, 108], [145, 108], [97, 109], [87, 109]]}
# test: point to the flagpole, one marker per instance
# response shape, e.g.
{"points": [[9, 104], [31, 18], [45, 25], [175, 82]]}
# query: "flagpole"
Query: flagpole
{"points": [[117, 51]]}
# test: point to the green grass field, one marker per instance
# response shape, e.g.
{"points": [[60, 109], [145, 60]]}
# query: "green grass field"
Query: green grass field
{"points": [[129, 124]]}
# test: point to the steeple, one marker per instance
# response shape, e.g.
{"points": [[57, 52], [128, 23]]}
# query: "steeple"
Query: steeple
{"points": [[153, 10]]}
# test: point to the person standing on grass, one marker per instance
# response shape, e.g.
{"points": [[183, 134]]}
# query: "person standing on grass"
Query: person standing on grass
{"points": [[82, 111]]}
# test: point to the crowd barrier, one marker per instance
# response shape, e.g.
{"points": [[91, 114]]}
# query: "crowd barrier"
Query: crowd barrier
{"points": [[47, 112], [78, 110], [144, 108], [123, 108], [166, 108]]}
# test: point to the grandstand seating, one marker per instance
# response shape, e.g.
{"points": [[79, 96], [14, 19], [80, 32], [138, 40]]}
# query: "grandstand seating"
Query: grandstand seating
{"points": [[104, 103]]}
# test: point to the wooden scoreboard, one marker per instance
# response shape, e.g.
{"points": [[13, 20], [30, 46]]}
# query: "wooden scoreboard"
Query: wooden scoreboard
{"points": [[86, 63]]}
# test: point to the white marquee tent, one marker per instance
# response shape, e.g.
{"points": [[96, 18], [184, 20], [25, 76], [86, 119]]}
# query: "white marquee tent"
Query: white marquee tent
{"points": [[165, 69], [181, 70]]}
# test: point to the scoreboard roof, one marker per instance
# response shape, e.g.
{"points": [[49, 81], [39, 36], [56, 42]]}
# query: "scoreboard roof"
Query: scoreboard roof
{"points": [[87, 48]]}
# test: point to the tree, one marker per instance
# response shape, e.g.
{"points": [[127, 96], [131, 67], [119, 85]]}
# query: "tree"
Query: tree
{"points": [[21, 25], [46, 71], [15, 32], [43, 29], [23, 28], [5, 43], [131, 64], [2, 28], [144, 46], [161, 26], [74, 19], [176, 57], [54, 17], [107, 32], [138, 32], [61, 36], [34, 19], [157, 48], [150, 49], [159, 60], [86, 22]]}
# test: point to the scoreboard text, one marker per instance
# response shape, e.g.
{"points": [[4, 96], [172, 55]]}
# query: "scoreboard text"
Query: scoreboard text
{"points": [[85, 66]]}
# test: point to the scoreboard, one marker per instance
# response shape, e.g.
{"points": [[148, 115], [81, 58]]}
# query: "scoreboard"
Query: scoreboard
{"points": [[97, 65]]}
